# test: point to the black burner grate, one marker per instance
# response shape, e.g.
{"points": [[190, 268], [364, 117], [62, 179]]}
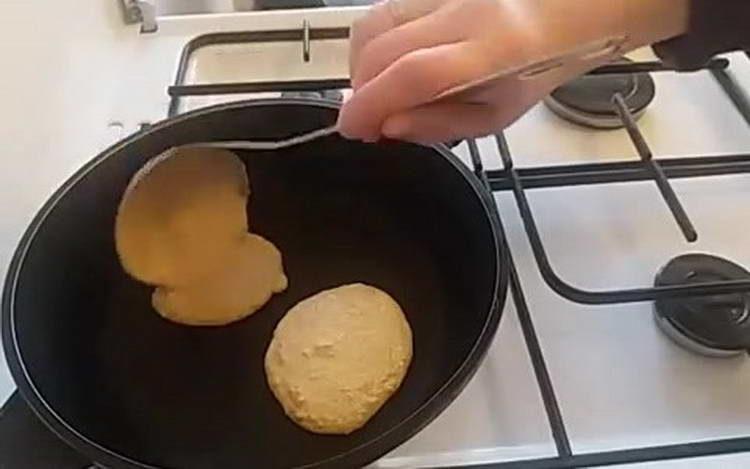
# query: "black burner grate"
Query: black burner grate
{"points": [[519, 180]]}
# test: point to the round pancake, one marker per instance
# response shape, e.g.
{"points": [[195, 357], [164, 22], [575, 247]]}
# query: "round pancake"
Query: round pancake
{"points": [[336, 357]]}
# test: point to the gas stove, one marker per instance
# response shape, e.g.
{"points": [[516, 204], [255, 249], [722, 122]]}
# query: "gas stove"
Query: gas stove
{"points": [[622, 197]]}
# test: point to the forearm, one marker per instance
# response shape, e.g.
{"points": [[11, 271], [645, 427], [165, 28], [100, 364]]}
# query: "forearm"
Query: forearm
{"points": [[641, 22]]}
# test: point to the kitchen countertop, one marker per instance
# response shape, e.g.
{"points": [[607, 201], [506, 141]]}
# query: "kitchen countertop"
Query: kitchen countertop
{"points": [[74, 83]]}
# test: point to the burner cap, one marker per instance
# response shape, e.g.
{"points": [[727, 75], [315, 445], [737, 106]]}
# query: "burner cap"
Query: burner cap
{"points": [[587, 100], [715, 326]]}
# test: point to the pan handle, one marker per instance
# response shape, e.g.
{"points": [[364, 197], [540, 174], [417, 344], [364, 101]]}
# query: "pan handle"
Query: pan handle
{"points": [[25, 442]]}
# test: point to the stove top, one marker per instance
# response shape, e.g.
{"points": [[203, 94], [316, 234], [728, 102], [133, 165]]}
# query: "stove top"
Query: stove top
{"points": [[591, 365]]}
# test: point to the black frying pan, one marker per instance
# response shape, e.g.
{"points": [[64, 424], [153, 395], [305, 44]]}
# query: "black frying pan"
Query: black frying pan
{"points": [[127, 388]]}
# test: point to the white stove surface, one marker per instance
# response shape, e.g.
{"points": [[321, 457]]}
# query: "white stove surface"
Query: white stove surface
{"points": [[619, 382]]}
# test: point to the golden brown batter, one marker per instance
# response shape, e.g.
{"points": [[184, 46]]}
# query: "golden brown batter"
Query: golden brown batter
{"points": [[242, 286], [182, 226]]}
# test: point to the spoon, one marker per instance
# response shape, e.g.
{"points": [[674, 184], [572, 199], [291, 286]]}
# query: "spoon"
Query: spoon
{"points": [[266, 145]]}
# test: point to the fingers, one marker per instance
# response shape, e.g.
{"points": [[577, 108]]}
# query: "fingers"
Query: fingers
{"points": [[487, 111], [412, 80], [404, 11], [384, 17], [432, 29], [406, 54], [442, 122], [378, 20]]}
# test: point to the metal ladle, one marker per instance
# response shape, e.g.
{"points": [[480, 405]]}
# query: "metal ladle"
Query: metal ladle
{"points": [[261, 145]]}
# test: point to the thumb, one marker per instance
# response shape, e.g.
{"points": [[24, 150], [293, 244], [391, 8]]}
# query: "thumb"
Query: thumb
{"points": [[441, 122]]}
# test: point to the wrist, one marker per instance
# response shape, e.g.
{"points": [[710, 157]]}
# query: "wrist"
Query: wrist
{"points": [[640, 22]]}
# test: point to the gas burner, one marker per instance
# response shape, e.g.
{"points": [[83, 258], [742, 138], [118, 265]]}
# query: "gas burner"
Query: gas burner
{"points": [[588, 100], [715, 326]]}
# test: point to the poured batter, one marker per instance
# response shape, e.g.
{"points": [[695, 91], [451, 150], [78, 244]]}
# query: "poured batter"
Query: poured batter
{"points": [[181, 215], [182, 226], [243, 285], [336, 357]]}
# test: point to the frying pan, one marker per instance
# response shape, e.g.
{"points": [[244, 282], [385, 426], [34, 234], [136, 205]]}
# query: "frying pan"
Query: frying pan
{"points": [[126, 388]]}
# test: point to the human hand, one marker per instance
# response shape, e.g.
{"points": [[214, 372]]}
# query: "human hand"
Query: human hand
{"points": [[407, 54]]}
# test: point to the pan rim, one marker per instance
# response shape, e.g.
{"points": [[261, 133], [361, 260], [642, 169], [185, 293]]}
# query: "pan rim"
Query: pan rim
{"points": [[362, 454]]}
